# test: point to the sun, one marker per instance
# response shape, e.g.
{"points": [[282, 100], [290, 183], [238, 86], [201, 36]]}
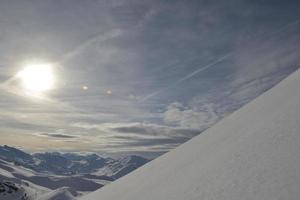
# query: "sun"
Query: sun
{"points": [[37, 78]]}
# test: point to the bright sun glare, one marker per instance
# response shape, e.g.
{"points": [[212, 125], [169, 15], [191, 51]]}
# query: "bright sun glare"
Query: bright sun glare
{"points": [[37, 78]]}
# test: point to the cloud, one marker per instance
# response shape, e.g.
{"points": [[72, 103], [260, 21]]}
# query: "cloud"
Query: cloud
{"points": [[57, 135], [141, 129], [137, 136], [196, 117], [267, 53], [173, 69], [190, 75], [91, 41]]}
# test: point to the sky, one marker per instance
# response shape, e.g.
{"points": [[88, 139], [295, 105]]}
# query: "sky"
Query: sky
{"points": [[138, 76]]}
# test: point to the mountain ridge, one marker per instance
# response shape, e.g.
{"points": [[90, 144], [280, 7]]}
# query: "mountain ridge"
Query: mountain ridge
{"points": [[66, 163], [56, 175]]}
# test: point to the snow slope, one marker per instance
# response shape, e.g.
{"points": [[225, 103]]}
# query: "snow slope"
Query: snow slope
{"points": [[252, 154], [11, 191], [11, 187], [63, 193]]}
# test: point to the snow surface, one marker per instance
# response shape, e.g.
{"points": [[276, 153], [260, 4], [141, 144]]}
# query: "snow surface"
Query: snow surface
{"points": [[63, 193], [21, 189], [252, 154]]}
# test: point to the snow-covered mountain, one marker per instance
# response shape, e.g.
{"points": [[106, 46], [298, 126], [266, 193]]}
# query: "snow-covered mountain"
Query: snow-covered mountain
{"points": [[72, 163], [253, 153], [11, 191], [12, 154], [12, 186], [55, 176]]}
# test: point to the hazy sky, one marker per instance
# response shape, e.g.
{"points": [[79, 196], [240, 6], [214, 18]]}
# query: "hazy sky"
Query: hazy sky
{"points": [[138, 76]]}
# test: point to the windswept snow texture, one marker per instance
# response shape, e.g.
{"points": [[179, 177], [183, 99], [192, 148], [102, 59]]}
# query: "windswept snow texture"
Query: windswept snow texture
{"points": [[252, 154]]}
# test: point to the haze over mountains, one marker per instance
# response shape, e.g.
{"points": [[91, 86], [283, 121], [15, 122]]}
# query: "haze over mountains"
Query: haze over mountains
{"points": [[49, 176]]}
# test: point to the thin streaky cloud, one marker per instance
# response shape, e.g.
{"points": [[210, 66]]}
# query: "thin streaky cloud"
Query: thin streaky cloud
{"points": [[83, 46], [286, 27], [195, 61], [188, 76], [192, 74]]}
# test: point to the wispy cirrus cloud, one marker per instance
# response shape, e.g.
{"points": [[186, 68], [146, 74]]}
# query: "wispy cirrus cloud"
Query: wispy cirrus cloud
{"points": [[137, 137], [172, 69]]}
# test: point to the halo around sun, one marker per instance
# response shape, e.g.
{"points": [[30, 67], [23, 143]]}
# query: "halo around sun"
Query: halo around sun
{"points": [[37, 78]]}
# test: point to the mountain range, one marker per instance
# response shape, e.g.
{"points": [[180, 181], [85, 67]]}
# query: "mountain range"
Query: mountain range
{"points": [[56, 175]]}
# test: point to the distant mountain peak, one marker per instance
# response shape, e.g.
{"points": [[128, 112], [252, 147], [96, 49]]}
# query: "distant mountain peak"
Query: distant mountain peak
{"points": [[71, 163]]}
